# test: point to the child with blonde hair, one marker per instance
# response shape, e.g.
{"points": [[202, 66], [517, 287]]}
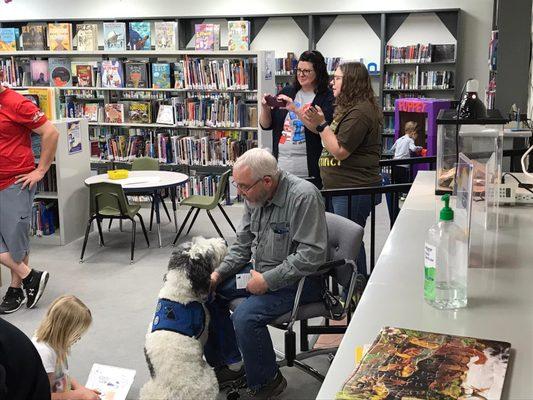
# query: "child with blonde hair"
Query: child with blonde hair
{"points": [[65, 322], [404, 146]]}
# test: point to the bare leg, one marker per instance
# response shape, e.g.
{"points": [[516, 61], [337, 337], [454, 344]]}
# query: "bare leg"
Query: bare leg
{"points": [[19, 270]]}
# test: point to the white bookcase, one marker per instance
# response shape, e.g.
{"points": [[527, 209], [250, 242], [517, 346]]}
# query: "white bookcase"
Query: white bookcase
{"points": [[72, 196]]}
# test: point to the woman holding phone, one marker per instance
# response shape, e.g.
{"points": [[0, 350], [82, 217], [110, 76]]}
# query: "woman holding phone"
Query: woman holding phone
{"points": [[352, 143], [295, 143]]}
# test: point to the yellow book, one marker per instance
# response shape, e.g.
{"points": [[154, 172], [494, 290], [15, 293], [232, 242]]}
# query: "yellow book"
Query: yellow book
{"points": [[46, 100], [60, 36]]}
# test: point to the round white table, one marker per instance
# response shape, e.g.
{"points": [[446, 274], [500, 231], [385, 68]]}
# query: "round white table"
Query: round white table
{"points": [[149, 182]]}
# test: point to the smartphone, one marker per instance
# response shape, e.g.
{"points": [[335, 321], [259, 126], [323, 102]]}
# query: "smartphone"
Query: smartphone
{"points": [[274, 102]]}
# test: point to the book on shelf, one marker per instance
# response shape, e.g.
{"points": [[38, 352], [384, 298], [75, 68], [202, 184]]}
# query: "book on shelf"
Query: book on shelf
{"points": [[114, 36], [419, 79], [165, 115], [166, 35], [139, 35], [140, 112], [90, 111], [43, 216], [84, 72], [34, 37], [136, 74], [40, 73], [87, 37], [179, 74], [111, 73], [60, 72], [226, 74], [207, 37], [287, 65], [406, 363], [9, 38], [238, 35], [47, 100], [60, 36], [161, 78], [114, 113]]}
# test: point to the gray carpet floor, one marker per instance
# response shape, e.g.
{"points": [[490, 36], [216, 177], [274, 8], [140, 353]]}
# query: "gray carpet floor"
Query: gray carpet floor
{"points": [[122, 297]]}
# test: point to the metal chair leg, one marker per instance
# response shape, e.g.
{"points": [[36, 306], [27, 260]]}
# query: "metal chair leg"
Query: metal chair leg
{"points": [[99, 224], [193, 220], [182, 226], [109, 226], [215, 224], [165, 207], [151, 214], [226, 216], [87, 230], [133, 229], [144, 229], [304, 339]]}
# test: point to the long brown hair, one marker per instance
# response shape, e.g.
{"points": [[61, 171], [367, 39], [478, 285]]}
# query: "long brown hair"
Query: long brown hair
{"points": [[65, 321], [356, 88]]}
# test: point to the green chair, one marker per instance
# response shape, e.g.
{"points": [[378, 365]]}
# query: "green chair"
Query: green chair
{"points": [[207, 203], [107, 200]]}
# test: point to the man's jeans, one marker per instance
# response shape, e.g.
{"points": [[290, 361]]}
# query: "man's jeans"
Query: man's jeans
{"points": [[246, 330], [361, 208]]}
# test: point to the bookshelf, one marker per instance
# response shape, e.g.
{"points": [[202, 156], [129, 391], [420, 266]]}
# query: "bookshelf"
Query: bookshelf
{"points": [[69, 201]]}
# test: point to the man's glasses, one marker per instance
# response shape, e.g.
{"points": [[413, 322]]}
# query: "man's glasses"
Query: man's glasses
{"points": [[303, 72], [245, 188]]}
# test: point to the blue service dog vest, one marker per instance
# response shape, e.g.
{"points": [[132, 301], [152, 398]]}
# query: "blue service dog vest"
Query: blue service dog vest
{"points": [[187, 319]]}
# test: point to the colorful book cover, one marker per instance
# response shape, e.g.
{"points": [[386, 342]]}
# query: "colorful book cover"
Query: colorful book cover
{"points": [[139, 112], [179, 75], [87, 35], [60, 72], [410, 364], [207, 36], [8, 39], [85, 75], [238, 35], [114, 113], [90, 111], [113, 383], [112, 74], [166, 34], [140, 35], [161, 75], [40, 73], [60, 36], [136, 74], [34, 37], [46, 101], [114, 36]]}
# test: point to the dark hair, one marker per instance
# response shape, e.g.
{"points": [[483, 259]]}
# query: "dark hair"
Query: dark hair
{"points": [[356, 88], [319, 65]]}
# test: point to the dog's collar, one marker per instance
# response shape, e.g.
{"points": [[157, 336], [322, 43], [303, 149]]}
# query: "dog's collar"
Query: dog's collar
{"points": [[187, 319]]}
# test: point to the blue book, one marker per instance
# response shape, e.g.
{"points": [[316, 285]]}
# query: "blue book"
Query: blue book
{"points": [[114, 36], [9, 39], [140, 36], [161, 76], [60, 72]]}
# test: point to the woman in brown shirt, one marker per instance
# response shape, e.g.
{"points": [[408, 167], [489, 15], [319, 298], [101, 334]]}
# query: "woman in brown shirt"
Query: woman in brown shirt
{"points": [[352, 143]]}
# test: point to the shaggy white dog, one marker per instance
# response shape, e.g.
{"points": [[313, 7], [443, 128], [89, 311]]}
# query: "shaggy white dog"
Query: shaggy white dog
{"points": [[175, 360]]}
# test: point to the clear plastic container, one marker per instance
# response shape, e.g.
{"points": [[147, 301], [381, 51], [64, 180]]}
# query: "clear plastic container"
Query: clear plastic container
{"points": [[446, 262]]}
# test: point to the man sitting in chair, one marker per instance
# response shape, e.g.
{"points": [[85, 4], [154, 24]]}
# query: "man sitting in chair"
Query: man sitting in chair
{"points": [[282, 238]]}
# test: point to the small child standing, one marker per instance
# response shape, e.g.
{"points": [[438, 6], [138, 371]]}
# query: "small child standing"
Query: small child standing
{"points": [[65, 322], [405, 145]]}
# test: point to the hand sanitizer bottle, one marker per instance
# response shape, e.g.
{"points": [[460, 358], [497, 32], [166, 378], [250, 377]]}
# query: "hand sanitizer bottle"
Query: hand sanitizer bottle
{"points": [[446, 262]]}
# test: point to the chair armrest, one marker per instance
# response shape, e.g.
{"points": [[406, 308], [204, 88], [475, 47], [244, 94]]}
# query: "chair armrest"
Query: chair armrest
{"points": [[296, 305]]}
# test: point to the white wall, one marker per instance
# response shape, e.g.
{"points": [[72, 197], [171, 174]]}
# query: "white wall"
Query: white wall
{"points": [[476, 25]]}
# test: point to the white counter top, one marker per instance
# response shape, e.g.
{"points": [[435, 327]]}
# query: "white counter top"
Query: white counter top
{"points": [[500, 299]]}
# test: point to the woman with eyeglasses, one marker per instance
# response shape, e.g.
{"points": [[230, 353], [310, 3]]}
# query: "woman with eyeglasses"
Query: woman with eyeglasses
{"points": [[352, 143], [295, 143]]}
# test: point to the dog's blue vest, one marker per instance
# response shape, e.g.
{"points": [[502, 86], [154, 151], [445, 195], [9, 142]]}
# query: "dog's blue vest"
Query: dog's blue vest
{"points": [[187, 319]]}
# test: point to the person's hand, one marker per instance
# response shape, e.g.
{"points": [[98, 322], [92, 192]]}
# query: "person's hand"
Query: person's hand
{"points": [[215, 280], [257, 285], [289, 103], [314, 116], [30, 179], [83, 393]]}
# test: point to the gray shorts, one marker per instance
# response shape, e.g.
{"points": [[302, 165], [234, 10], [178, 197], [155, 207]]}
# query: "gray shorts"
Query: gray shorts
{"points": [[15, 220]]}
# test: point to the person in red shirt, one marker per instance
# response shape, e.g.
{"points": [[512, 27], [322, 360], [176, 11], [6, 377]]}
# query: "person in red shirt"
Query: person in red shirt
{"points": [[18, 179]]}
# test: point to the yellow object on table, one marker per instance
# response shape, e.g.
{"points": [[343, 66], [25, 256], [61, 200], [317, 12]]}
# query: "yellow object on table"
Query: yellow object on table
{"points": [[117, 173]]}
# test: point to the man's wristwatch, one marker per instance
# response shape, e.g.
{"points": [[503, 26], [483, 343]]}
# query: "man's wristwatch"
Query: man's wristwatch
{"points": [[321, 127]]}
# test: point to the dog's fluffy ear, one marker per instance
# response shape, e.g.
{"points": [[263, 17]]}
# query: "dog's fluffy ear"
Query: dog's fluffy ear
{"points": [[199, 273]]}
